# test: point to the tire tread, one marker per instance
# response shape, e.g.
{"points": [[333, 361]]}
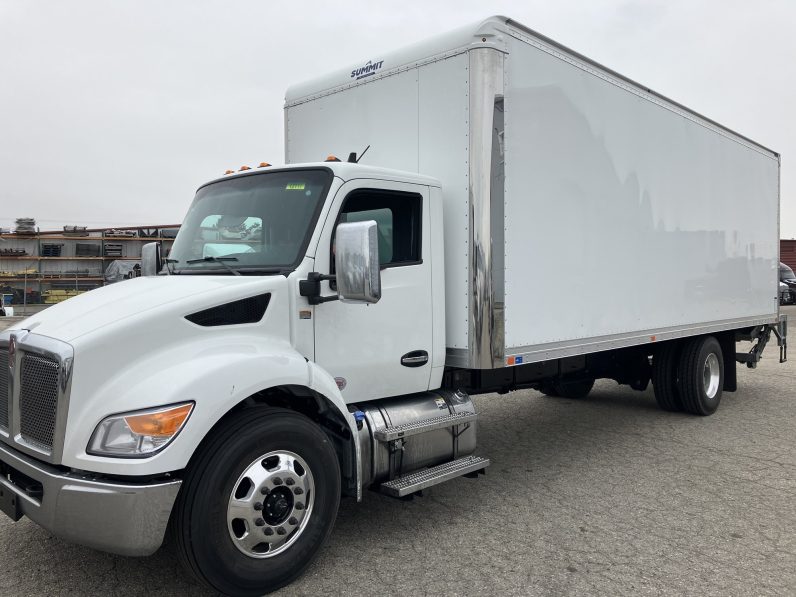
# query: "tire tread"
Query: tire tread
{"points": [[664, 377]]}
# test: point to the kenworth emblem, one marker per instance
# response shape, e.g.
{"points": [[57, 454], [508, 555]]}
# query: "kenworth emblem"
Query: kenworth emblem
{"points": [[366, 71]]}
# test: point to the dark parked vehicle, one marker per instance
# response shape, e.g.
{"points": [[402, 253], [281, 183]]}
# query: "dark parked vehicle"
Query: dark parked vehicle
{"points": [[786, 295], [787, 277]]}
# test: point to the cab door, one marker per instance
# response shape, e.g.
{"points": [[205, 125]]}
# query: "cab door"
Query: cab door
{"points": [[381, 349]]}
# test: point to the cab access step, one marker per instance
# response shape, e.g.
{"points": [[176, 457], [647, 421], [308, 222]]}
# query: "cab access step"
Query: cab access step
{"points": [[420, 480]]}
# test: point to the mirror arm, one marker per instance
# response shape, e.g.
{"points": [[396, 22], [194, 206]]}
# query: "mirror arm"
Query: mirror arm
{"points": [[311, 288]]}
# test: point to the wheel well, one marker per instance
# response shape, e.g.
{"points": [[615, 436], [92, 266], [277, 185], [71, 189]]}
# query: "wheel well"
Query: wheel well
{"points": [[319, 409]]}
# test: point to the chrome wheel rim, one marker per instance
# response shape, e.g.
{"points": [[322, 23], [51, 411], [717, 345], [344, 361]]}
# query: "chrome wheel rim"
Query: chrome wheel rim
{"points": [[710, 376], [270, 504]]}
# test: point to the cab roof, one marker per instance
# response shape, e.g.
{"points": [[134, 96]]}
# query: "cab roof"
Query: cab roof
{"points": [[343, 170]]}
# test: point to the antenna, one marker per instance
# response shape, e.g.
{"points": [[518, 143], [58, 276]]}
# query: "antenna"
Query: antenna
{"points": [[363, 153]]}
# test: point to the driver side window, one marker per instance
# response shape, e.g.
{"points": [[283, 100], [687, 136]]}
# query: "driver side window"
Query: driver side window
{"points": [[398, 217]]}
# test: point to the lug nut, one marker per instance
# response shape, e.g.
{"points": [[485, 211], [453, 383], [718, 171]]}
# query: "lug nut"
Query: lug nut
{"points": [[268, 531], [258, 506], [293, 521], [298, 490], [277, 480], [281, 531], [259, 522], [299, 506], [264, 490], [289, 481]]}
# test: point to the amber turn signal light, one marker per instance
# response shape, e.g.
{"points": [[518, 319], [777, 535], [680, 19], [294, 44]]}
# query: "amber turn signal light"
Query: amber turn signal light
{"points": [[164, 423]]}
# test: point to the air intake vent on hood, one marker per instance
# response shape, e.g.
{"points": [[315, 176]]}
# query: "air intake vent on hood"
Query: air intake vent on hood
{"points": [[250, 310]]}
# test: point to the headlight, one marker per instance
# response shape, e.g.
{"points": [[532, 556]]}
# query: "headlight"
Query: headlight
{"points": [[139, 434]]}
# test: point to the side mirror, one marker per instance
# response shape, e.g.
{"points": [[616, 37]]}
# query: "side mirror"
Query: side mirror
{"points": [[151, 261], [356, 260]]}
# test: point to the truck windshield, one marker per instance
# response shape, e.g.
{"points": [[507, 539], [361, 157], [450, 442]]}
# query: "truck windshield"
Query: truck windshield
{"points": [[258, 223]]}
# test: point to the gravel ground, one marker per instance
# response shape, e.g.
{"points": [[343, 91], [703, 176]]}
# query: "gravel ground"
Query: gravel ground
{"points": [[606, 496]]}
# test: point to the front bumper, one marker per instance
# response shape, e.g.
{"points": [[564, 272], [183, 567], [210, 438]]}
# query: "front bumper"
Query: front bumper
{"points": [[124, 518]]}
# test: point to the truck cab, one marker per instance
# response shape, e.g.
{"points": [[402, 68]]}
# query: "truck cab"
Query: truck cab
{"points": [[305, 293]]}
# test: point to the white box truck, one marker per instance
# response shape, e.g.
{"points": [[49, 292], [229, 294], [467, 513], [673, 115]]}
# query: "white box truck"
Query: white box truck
{"points": [[524, 218]]}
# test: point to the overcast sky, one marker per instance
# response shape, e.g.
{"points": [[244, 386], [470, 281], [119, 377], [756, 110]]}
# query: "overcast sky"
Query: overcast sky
{"points": [[112, 113]]}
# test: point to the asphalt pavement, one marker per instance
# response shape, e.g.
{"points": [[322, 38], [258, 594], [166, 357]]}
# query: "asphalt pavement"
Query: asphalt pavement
{"points": [[605, 496]]}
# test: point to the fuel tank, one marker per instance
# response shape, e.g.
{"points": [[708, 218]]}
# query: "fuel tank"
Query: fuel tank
{"points": [[385, 460]]}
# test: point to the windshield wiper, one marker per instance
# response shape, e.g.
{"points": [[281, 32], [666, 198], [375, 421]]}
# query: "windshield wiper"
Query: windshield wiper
{"points": [[168, 263], [221, 260]]}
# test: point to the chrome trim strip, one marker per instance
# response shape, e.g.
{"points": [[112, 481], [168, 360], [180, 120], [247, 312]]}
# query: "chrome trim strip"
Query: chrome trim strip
{"points": [[486, 85], [4, 344]]}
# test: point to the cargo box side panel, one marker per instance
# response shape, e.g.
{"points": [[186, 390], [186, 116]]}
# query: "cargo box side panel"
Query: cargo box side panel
{"points": [[443, 150], [623, 215]]}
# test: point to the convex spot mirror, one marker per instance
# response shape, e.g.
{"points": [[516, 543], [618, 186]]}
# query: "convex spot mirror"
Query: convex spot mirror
{"points": [[356, 261]]}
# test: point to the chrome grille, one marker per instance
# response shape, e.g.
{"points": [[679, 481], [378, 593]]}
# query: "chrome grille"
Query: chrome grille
{"points": [[38, 400], [4, 388]]}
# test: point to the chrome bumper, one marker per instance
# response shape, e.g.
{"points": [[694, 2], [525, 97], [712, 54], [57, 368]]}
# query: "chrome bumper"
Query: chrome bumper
{"points": [[123, 518]]}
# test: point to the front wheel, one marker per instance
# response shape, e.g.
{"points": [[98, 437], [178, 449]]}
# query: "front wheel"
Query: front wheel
{"points": [[258, 502]]}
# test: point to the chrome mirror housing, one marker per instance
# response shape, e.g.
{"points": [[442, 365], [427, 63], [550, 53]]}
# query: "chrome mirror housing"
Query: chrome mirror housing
{"points": [[356, 260], [151, 261]]}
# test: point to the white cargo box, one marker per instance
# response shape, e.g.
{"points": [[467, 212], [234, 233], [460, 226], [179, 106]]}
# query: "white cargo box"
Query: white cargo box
{"points": [[583, 212]]}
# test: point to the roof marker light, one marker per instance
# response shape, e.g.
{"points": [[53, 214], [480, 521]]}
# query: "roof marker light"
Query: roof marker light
{"points": [[229, 172], [331, 158], [242, 168], [264, 165]]}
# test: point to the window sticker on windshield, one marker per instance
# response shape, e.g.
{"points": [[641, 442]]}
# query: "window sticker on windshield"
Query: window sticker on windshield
{"points": [[295, 186]]}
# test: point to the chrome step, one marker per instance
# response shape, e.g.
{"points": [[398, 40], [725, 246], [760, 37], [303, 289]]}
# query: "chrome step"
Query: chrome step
{"points": [[413, 482], [409, 429]]}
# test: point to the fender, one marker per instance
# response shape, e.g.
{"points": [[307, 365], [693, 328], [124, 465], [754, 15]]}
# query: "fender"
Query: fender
{"points": [[216, 373], [215, 376]]}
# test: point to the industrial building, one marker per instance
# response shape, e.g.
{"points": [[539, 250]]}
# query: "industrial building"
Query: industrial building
{"points": [[46, 267]]}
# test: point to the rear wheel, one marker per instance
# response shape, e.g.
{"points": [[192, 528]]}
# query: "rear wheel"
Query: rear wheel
{"points": [[664, 376], [258, 502], [701, 375]]}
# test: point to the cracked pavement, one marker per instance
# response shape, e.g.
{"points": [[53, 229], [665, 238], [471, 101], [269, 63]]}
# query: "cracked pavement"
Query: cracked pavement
{"points": [[606, 496]]}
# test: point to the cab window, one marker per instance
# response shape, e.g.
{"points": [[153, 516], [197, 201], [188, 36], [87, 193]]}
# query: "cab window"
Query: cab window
{"points": [[398, 219]]}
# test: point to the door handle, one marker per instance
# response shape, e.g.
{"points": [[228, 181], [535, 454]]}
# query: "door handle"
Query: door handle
{"points": [[416, 358]]}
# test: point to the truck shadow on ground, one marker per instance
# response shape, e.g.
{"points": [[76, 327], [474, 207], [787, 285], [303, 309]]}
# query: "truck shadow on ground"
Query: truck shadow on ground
{"points": [[551, 460]]}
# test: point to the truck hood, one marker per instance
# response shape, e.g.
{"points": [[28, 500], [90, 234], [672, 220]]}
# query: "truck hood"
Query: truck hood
{"points": [[111, 304]]}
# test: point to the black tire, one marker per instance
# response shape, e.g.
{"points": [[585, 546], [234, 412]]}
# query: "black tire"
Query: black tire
{"points": [[691, 383], [200, 530], [664, 376], [574, 390]]}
